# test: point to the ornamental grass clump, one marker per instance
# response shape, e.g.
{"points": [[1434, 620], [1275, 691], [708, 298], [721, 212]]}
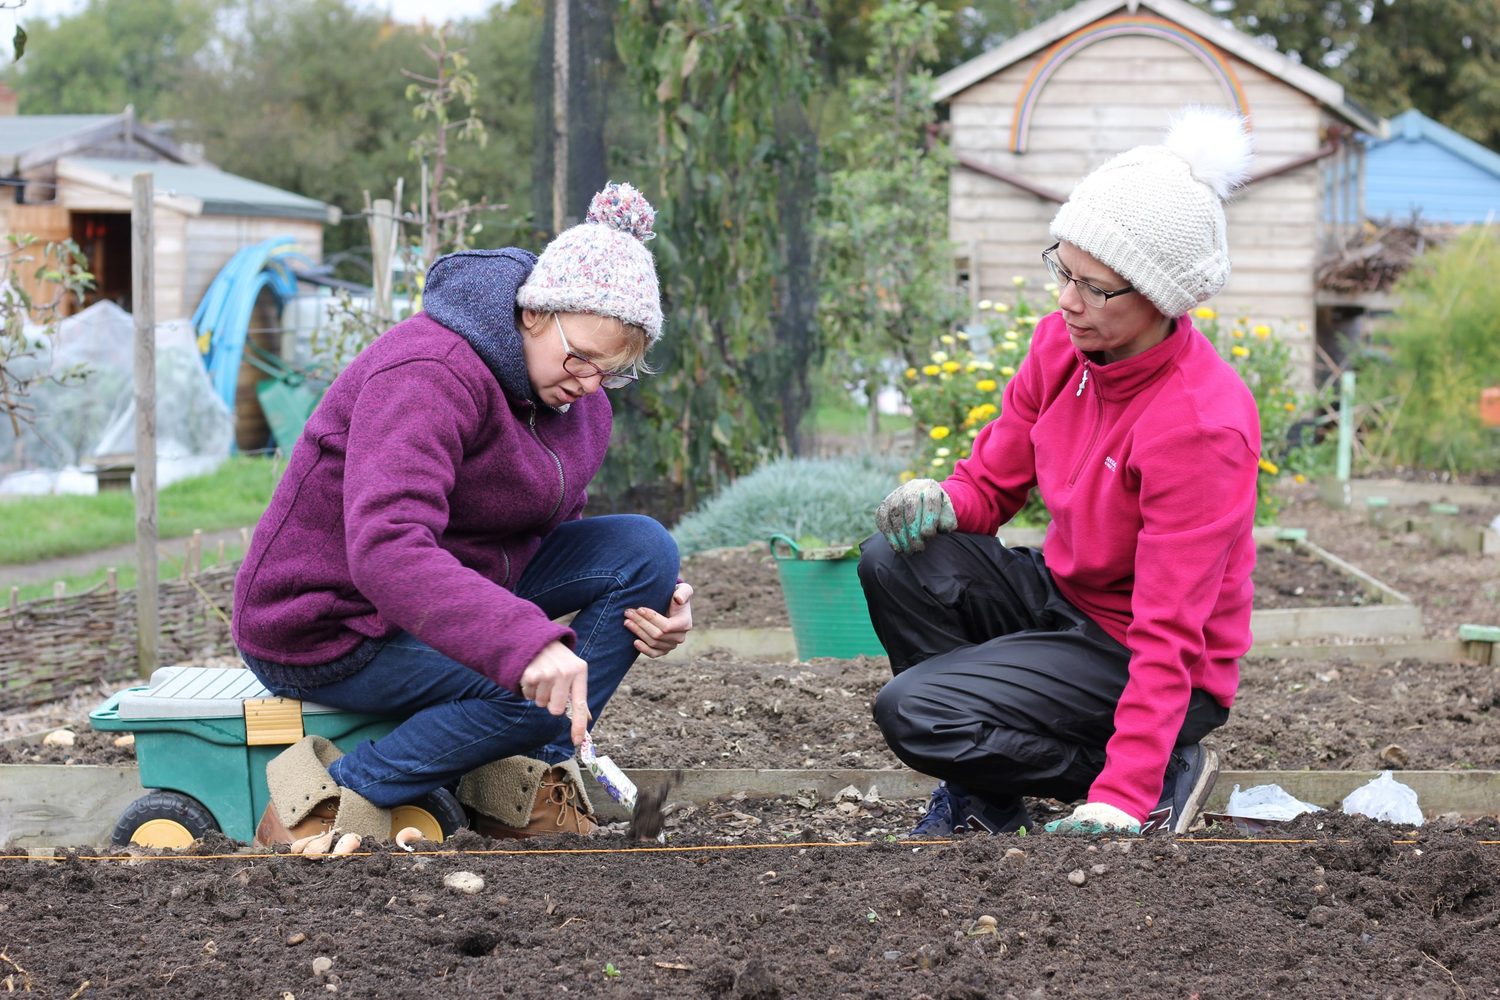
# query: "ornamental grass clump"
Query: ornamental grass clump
{"points": [[814, 501], [1264, 361]]}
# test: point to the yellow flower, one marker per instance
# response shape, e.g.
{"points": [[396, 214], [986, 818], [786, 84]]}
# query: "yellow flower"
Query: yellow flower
{"points": [[939, 432], [986, 385], [1007, 371], [1051, 286], [907, 476], [988, 366], [1237, 333], [1261, 330], [937, 462], [984, 304], [961, 335], [951, 366], [1243, 321], [1018, 281], [930, 369], [940, 356], [1289, 407], [1011, 345], [1266, 465], [1204, 312], [1001, 307], [943, 453], [1011, 335], [1299, 478], [971, 367], [973, 432], [1240, 352], [911, 373], [947, 338]]}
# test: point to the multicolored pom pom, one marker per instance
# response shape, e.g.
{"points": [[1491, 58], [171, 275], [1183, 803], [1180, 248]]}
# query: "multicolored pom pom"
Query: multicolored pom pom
{"points": [[622, 207]]}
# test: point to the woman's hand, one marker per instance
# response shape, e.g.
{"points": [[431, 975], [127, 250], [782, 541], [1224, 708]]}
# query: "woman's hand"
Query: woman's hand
{"points": [[658, 634], [556, 678]]}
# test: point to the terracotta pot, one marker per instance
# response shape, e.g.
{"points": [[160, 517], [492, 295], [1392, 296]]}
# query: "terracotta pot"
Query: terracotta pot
{"points": [[1489, 406]]}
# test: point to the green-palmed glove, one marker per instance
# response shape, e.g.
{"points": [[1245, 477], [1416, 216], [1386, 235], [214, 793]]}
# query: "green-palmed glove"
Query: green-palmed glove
{"points": [[913, 513], [1095, 817]]}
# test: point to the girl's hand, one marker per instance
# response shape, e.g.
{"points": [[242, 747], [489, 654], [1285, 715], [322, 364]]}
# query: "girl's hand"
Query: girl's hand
{"points": [[556, 678], [658, 634]]}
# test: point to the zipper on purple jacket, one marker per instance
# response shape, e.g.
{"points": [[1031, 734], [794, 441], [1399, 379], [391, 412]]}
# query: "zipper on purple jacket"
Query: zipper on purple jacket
{"points": [[562, 479]]}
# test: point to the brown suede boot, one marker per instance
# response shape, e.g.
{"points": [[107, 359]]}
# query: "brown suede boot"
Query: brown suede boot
{"points": [[520, 797], [306, 801]]}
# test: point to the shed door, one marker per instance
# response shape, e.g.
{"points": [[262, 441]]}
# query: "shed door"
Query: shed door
{"points": [[49, 224]]}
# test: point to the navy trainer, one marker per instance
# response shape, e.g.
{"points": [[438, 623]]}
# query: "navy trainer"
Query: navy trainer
{"points": [[951, 810], [1191, 773]]}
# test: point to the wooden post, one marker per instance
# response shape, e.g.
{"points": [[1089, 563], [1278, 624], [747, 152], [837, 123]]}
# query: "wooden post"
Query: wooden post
{"points": [[143, 298], [560, 75]]}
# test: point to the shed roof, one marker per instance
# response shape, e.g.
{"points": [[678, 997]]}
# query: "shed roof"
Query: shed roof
{"points": [[209, 190], [29, 141], [1294, 74], [1413, 126]]}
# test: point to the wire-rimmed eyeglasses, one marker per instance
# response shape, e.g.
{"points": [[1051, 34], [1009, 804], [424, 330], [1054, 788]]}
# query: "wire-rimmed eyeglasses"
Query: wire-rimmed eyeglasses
{"points": [[1091, 294], [577, 365]]}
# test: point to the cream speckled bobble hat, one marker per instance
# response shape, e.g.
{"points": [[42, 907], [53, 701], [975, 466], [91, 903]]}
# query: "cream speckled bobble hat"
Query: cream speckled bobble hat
{"points": [[601, 266], [1155, 214]]}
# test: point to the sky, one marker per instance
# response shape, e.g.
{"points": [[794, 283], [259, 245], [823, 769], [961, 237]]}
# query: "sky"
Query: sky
{"points": [[435, 11]]}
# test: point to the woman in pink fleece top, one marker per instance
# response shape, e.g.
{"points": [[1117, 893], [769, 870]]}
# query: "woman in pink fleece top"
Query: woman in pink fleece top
{"points": [[1093, 668]]}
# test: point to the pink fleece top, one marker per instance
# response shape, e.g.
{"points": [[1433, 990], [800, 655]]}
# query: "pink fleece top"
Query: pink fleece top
{"points": [[1148, 467]]}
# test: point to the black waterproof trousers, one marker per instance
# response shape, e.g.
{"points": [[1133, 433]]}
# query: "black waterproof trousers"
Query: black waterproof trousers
{"points": [[1001, 686]]}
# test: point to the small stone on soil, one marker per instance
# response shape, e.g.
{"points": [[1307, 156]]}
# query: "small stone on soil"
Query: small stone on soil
{"points": [[1077, 877], [295, 939], [464, 882]]}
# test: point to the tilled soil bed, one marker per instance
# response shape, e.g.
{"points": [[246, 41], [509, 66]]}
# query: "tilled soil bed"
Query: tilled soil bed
{"points": [[740, 587], [1341, 907], [720, 710]]}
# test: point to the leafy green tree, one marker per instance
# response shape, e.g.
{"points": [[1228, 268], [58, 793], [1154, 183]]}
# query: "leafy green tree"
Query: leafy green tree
{"points": [[1439, 56], [110, 54], [727, 85], [887, 289]]}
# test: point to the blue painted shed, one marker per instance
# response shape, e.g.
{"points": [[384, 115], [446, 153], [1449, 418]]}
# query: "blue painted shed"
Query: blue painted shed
{"points": [[1429, 169]]}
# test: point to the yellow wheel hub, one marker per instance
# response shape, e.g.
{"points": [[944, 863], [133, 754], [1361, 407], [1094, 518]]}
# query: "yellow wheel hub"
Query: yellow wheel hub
{"points": [[408, 815], [161, 833]]}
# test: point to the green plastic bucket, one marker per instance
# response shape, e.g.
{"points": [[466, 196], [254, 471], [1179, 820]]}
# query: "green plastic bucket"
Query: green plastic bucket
{"points": [[824, 601]]}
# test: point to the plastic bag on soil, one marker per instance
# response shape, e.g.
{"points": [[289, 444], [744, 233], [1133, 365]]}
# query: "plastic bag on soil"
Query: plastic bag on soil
{"points": [[1267, 802], [1385, 799], [76, 422]]}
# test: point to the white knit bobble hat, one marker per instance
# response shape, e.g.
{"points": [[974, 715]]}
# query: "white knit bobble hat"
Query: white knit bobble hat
{"points": [[1155, 214], [601, 266]]}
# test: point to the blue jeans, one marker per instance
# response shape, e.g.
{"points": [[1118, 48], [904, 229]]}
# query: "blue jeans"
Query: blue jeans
{"points": [[456, 718]]}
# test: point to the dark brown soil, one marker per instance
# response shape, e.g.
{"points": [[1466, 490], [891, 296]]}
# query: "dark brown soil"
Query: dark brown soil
{"points": [[720, 710], [1345, 910], [1348, 911], [740, 587]]}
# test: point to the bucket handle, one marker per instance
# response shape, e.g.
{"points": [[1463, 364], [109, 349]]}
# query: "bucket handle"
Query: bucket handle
{"points": [[782, 544]]}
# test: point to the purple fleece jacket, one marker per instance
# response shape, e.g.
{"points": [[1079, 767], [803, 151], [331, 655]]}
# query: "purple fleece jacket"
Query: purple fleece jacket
{"points": [[414, 500]]}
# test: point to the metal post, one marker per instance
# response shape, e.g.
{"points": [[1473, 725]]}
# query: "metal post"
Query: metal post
{"points": [[1346, 434], [560, 75], [143, 304]]}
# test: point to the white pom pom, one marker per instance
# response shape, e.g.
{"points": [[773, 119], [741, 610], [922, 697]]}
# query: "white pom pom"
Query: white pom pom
{"points": [[1215, 145], [622, 207]]}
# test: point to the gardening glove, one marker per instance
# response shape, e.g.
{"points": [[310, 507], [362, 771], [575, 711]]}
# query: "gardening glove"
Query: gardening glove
{"points": [[1095, 817], [913, 513]]}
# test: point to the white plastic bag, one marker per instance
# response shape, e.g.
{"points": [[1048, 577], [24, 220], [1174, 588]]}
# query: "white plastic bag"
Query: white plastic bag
{"points": [[1267, 802], [1385, 799]]}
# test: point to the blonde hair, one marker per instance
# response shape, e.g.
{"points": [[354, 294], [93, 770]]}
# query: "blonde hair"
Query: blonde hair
{"points": [[632, 355]]}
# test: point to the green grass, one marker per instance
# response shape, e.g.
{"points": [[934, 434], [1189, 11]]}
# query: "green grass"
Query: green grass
{"points": [[168, 568], [836, 413], [233, 495]]}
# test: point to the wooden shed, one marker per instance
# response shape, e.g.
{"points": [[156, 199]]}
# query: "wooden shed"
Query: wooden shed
{"points": [[1030, 118], [71, 175], [1430, 171]]}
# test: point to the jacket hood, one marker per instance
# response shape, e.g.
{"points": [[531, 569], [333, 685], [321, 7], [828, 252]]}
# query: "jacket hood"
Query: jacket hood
{"points": [[473, 293]]}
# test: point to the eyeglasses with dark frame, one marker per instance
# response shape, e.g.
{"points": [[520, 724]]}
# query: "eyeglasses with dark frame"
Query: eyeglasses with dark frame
{"points": [[578, 366], [1092, 294]]}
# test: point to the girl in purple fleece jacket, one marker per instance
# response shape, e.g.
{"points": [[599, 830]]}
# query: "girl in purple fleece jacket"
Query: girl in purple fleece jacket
{"points": [[1093, 668], [429, 532]]}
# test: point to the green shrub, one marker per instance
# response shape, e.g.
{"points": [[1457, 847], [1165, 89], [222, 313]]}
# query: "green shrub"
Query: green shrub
{"points": [[829, 499], [1420, 378]]}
